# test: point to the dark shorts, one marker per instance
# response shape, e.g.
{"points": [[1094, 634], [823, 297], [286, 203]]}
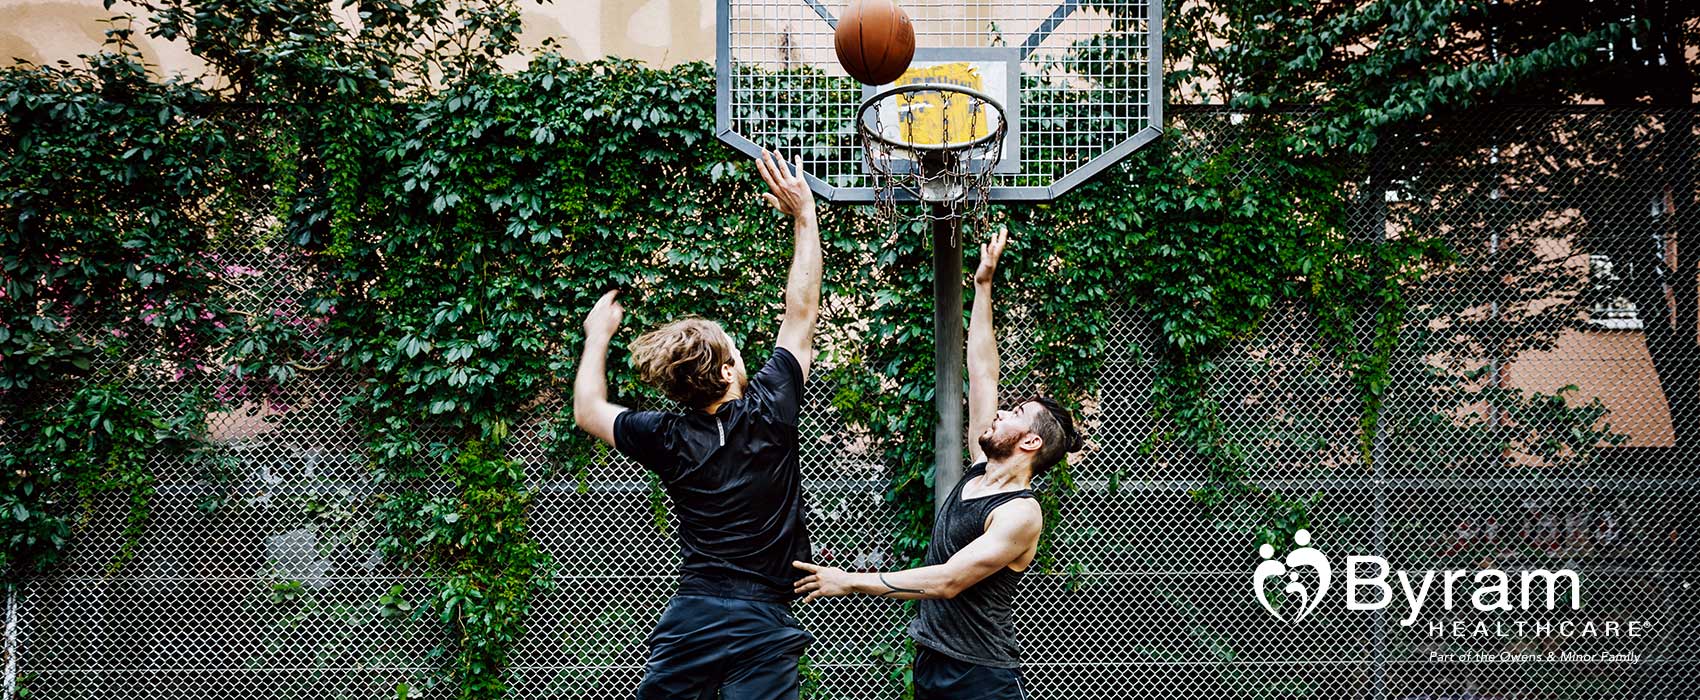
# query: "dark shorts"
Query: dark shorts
{"points": [[942, 677], [742, 649]]}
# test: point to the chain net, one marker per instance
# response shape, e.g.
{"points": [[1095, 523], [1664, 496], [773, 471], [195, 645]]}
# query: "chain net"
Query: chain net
{"points": [[932, 150], [1475, 466]]}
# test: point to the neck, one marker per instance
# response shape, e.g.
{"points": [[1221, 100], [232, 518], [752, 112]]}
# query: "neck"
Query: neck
{"points": [[733, 393], [1001, 473]]}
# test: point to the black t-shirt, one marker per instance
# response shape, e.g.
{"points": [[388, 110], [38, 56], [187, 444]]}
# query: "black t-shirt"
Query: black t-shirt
{"points": [[734, 480]]}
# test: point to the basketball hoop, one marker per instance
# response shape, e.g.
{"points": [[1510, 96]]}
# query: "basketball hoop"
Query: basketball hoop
{"points": [[934, 143]]}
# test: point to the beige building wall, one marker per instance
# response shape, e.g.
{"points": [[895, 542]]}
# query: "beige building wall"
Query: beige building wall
{"points": [[660, 32], [1612, 366]]}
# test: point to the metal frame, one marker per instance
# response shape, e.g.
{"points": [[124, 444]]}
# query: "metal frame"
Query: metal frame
{"points": [[866, 195]]}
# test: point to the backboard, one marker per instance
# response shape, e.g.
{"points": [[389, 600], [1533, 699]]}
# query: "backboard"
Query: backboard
{"points": [[1081, 84]]}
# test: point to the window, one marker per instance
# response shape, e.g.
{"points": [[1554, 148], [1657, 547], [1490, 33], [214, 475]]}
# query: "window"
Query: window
{"points": [[1607, 306]]}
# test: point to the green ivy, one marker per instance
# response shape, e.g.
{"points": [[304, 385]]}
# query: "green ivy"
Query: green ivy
{"points": [[75, 455], [476, 547]]}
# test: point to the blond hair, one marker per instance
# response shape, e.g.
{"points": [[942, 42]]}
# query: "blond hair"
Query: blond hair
{"points": [[683, 360]]}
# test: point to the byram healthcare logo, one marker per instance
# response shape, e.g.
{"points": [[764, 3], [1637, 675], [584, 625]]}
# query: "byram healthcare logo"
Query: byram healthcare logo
{"points": [[1367, 586], [1297, 587]]}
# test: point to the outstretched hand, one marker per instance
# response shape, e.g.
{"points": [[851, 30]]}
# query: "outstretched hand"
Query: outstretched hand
{"points": [[822, 581], [990, 251], [788, 190], [604, 318]]}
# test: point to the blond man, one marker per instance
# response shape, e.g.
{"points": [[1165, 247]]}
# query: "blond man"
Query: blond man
{"points": [[729, 463]]}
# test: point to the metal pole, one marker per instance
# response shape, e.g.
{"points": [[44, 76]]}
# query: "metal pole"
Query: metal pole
{"points": [[1377, 231], [1378, 653], [947, 354], [12, 641]]}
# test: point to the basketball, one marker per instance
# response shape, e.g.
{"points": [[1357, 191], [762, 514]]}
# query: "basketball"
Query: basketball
{"points": [[875, 41]]}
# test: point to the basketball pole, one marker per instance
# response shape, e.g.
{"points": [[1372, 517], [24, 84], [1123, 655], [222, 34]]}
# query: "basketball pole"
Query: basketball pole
{"points": [[947, 353]]}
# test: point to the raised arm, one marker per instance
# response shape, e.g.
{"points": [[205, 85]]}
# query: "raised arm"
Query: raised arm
{"points": [[591, 408], [1011, 534], [983, 347], [790, 194]]}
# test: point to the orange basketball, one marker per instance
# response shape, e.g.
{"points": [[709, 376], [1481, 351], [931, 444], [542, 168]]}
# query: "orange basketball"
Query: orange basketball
{"points": [[875, 41]]}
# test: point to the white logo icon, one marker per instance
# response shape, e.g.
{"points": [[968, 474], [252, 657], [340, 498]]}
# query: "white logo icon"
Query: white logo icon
{"points": [[1288, 568]]}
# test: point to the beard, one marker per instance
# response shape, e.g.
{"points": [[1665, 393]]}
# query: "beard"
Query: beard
{"points": [[998, 449]]}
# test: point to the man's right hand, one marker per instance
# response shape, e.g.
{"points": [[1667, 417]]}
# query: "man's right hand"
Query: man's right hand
{"points": [[822, 582], [990, 251], [788, 191], [604, 318]]}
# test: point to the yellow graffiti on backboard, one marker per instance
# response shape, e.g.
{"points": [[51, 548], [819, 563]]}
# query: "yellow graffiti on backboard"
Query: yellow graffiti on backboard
{"points": [[924, 117]]}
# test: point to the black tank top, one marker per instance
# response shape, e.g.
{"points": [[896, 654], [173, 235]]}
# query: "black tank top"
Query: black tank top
{"points": [[976, 626]]}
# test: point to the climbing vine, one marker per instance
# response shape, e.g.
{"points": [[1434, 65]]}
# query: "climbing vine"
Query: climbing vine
{"points": [[476, 547], [74, 456]]}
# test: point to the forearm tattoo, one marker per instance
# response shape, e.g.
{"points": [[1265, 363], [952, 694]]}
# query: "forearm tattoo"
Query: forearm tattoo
{"points": [[890, 589]]}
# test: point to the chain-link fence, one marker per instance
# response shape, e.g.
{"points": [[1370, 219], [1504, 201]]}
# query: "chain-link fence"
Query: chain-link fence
{"points": [[1493, 452]]}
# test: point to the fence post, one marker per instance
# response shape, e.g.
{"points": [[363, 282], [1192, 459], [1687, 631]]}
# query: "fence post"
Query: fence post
{"points": [[1374, 202], [11, 641]]}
